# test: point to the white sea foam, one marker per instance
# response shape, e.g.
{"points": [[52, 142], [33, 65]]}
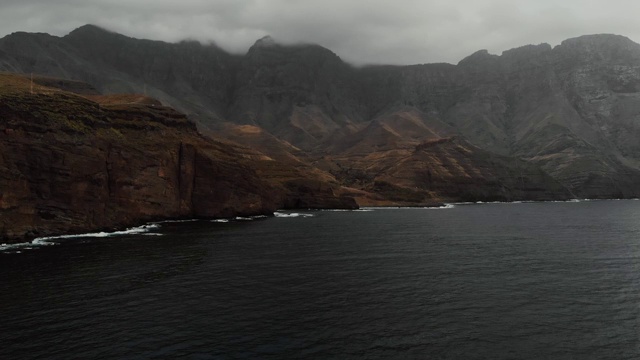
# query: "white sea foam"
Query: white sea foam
{"points": [[502, 202], [175, 221], [247, 218], [50, 240], [365, 209], [441, 207], [135, 230], [131, 231], [445, 206], [43, 242], [24, 245], [239, 218], [540, 201], [291, 215]]}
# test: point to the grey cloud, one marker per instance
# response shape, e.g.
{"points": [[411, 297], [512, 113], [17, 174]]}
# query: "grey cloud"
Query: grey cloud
{"points": [[360, 31]]}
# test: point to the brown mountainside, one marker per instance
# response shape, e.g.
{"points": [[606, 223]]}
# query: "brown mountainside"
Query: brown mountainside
{"points": [[72, 163]]}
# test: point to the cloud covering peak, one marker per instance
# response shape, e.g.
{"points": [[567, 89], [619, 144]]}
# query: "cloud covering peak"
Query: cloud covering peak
{"points": [[360, 31]]}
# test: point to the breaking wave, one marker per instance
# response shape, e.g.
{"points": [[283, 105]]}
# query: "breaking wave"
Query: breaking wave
{"points": [[50, 240], [175, 221], [24, 245], [249, 218], [239, 218], [291, 215], [135, 230], [364, 209], [445, 206]]}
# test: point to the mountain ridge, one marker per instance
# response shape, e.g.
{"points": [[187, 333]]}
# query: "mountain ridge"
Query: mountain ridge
{"points": [[569, 110]]}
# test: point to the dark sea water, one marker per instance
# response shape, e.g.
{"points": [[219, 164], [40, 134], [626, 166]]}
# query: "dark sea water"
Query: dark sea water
{"points": [[491, 281]]}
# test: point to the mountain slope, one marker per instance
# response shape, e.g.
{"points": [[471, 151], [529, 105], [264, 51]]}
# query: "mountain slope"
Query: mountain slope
{"points": [[74, 163], [570, 110]]}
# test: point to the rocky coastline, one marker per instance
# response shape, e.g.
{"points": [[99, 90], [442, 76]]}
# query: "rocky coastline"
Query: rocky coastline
{"points": [[74, 163]]}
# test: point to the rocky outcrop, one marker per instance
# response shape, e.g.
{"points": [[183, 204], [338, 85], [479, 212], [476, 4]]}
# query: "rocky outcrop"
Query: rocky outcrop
{"points": [[69, 164]]}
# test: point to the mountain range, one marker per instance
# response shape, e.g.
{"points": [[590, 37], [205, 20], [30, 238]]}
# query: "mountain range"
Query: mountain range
{"points": [[534, 123]]}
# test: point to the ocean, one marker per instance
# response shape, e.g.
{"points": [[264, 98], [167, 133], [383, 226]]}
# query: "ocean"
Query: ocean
{"points": [[467, 281]]}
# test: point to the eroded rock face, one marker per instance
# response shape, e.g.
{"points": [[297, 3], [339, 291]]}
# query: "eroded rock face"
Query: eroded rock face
{"points": [[407, 158], [69, 164], [570, 110]]}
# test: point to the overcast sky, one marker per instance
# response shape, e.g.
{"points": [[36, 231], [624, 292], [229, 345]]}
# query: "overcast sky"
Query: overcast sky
{"points": [[359, 31]]}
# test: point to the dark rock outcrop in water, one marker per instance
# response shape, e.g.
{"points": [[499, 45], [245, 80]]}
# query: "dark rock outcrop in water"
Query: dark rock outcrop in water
{"points": [[71, 163], [569, 112]]}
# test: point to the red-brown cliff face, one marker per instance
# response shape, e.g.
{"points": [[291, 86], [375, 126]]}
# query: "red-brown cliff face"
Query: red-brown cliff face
{"points": [[70, 164], [405, 158]]}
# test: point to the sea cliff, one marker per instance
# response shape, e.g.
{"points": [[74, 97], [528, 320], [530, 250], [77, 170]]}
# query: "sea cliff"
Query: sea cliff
{"points": [[73, 161]]}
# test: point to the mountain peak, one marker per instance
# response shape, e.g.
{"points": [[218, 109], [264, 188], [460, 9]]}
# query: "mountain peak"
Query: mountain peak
{"points": [[89, 29], [269, 48], [600, 47], [266, 41], [528, 50], [478, 57], [597, 39]]}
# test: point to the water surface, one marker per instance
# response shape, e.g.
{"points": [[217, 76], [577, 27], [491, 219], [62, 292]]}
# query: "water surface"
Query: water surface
{"points": [[491, 281]]}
